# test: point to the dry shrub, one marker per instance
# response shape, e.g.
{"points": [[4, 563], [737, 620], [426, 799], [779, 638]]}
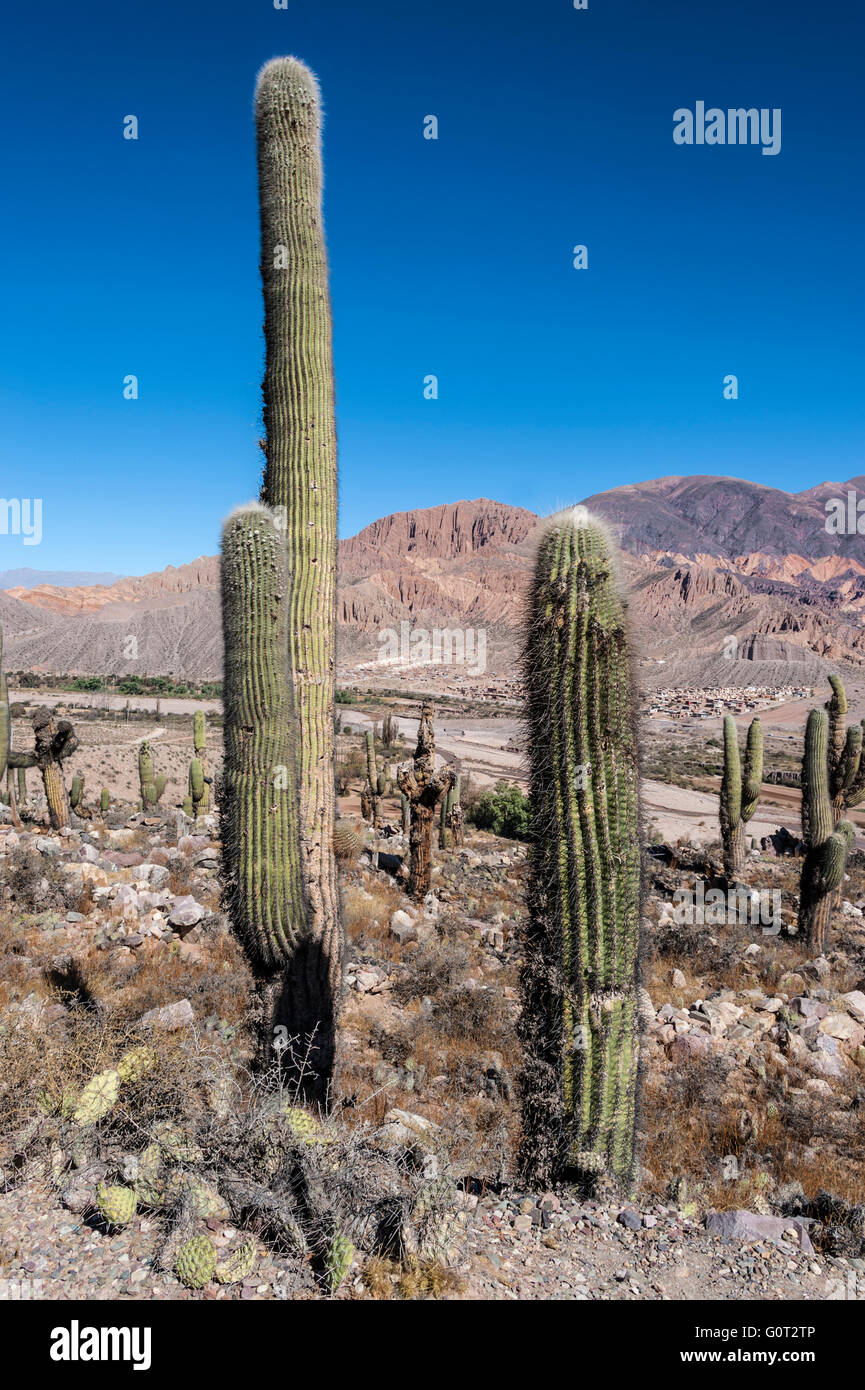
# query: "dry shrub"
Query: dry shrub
{"points": [[38, 882], [182, 877], [435, 967], [367, 911], [386, 1280]]}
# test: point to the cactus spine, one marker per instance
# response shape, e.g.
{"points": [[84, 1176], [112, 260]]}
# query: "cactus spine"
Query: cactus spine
{"points": [[258, 809], [300, 483], [740, 791], [579, 978], [826, 844]]}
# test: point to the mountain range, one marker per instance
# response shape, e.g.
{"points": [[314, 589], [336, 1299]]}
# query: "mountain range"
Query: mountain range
{"points": [[717, 568]]}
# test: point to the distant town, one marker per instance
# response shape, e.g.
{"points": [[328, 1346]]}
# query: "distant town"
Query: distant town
{"points": [[448, 679], [708, 704]]}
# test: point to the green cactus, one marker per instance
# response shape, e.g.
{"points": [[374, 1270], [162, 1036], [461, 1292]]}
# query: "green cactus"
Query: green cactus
{"points": [[54, 742], [195, 1262], [76, 792], [199, 732], [338, 1262], [22, 781], [301, 1124], [150, 784], [200, 1199], [199, 740], [188, 807], [97, 1099], [176, 1143], [347, 844], [456, 813], [300, 483], [5, 717], [261, 846], [826, 844], [237, 1264], [104, 800], [740, 791], [116, 1205], [444, 833], [579, 977], [150, 1183], [197, 788], [136, 1063], [372, 779]]}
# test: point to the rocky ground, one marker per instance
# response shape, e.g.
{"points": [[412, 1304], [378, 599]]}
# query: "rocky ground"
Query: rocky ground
{"points": [[753, 1124]]}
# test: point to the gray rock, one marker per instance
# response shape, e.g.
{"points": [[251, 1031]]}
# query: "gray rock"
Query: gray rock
{"points": [[630, 1219], [855, 1002], [785, 1231], [169, 1017], [402, 927], [154, 874], [808, 1008], [186, 912]]}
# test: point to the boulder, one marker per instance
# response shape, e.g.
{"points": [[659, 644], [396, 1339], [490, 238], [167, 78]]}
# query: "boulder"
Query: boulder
{"points": [[784, 1231]]}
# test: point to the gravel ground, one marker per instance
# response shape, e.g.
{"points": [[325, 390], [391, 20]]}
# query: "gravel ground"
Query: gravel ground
{"points": [[513, 1246]]}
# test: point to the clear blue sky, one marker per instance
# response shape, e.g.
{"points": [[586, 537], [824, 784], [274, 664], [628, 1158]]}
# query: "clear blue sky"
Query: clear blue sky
{"points": [[450, 257]]}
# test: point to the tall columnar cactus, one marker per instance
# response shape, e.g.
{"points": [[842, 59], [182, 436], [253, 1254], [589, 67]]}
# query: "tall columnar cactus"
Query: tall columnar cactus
{"points": [[12, 798], [405, 807], [422, 785], [456, 813], [151, 784], [372, 781], [199, 741], [76, 795], [197, 788], [300, 484], [444, 829], [846, 763], [740, 791], [5, 717], [826, 844], [104, 800], [579, 979], [259, 813], [54, 740]]}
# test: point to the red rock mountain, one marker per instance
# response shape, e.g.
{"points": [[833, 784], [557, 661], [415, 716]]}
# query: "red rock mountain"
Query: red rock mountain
{"points": [[707, 559]]}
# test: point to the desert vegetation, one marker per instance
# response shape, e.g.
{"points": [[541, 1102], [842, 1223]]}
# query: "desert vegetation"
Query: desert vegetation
{"points": [[308, 1014]]}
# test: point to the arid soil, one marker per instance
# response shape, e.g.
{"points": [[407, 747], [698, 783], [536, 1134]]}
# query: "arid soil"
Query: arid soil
{"points": [[753, 1094]]}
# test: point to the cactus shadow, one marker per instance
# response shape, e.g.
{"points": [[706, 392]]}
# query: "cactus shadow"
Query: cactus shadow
{"points": [[302, 1009]]}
